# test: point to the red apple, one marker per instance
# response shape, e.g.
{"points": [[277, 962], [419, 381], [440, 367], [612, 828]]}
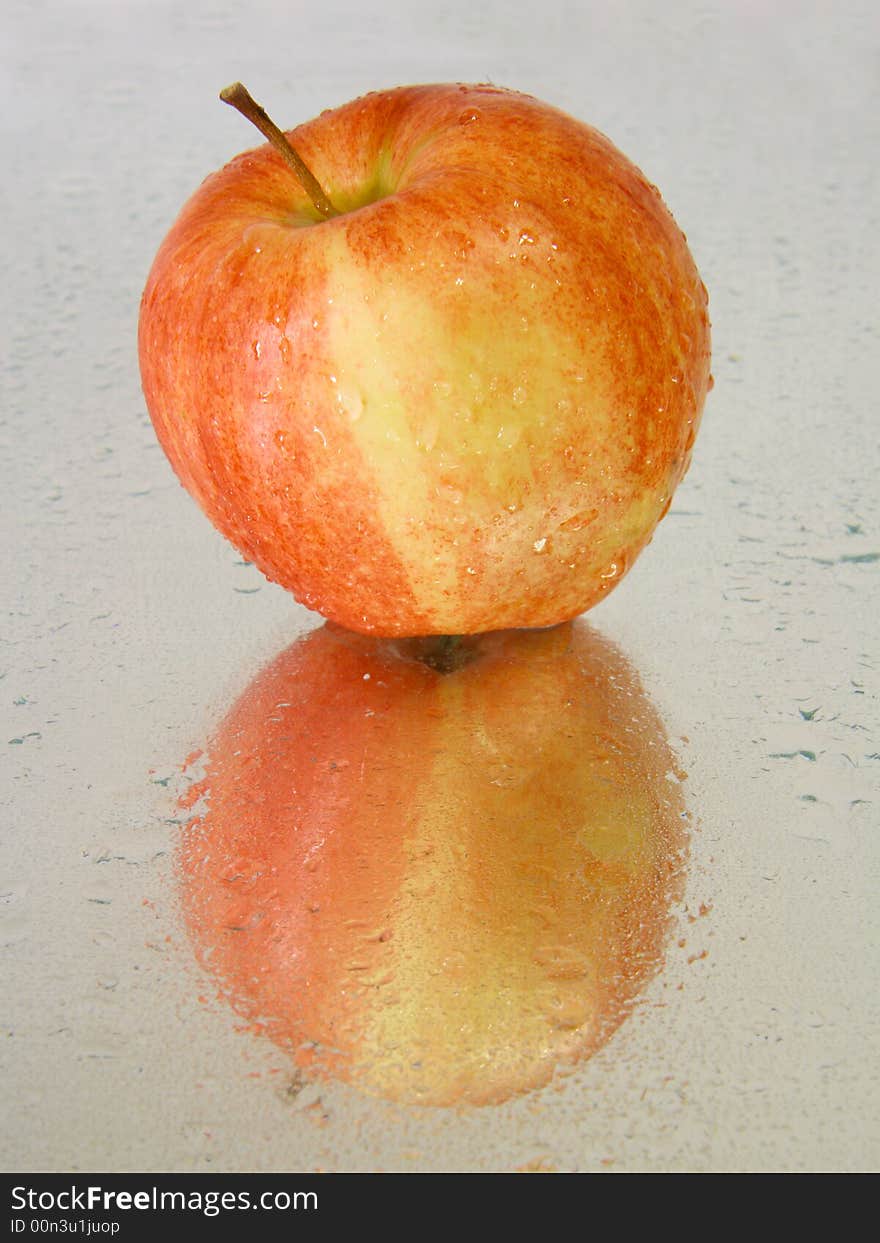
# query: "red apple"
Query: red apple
{"points": [[460, 396], [441, 887]]}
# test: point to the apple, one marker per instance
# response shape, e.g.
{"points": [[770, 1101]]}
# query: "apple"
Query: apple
{"points": [[443, 381], [440, 884]]}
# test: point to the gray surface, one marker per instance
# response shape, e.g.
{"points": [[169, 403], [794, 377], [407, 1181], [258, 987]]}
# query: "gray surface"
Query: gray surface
{"points": [[752, 618]]}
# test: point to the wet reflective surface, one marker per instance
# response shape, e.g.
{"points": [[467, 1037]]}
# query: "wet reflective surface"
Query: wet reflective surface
{"points": [[438, 886], [130, 1035]]}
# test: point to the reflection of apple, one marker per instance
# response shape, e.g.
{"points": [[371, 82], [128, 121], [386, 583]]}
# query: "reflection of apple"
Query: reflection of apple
{"points": [[460, 403], [440, 887]]}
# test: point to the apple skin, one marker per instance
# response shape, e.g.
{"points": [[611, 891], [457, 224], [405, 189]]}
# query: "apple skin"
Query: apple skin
{"points": [[462, 404], [441, 888]]}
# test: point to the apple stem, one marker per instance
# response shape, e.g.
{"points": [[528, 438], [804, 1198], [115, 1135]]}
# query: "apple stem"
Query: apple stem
{"points": [[444, 653], [241, 99]]}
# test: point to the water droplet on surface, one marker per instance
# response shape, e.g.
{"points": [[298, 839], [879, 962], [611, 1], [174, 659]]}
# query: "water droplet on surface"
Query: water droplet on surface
{"points": [[519, 395], [540, 544]]}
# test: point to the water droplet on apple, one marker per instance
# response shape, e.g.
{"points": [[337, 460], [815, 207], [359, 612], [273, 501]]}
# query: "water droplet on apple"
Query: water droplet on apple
{"points": [[577, 521], [442, 388], [284, 349], [256, 348], [526, 238], [520, 395], [351, 402], [540, 544], [468, 118], [429, 433]]}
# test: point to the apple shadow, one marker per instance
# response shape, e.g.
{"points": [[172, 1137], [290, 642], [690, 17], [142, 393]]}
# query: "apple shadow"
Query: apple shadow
{"points": [[441, 880]]}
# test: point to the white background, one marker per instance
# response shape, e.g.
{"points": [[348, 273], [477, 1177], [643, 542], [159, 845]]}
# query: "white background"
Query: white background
{"points": [[752, 618]]}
